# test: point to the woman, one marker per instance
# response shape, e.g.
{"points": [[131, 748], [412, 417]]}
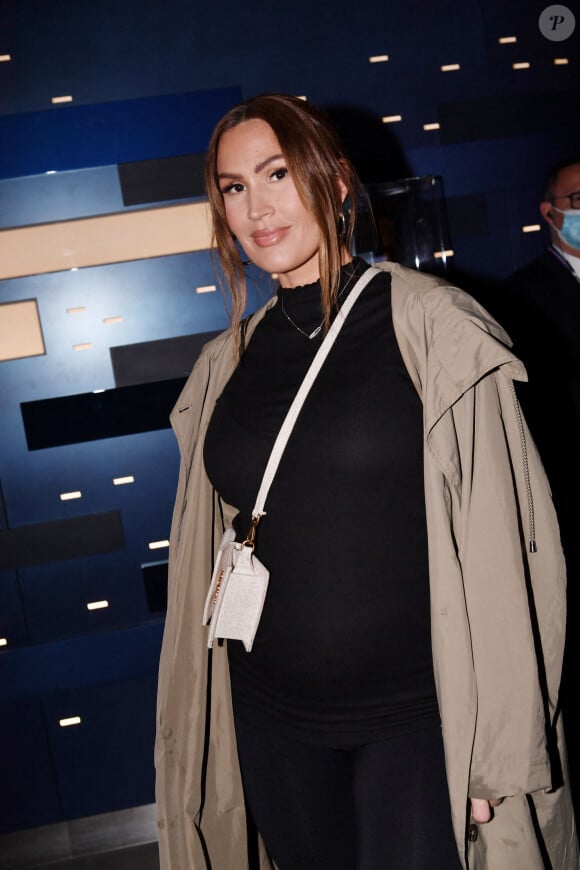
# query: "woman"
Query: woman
{"points": [[399, 706]]}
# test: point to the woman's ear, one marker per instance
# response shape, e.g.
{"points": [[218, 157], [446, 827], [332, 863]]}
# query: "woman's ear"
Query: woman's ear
{"points": [[342, 188]]}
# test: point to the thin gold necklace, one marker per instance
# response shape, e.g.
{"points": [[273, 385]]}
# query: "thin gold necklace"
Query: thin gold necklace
{"points": [[315, 332]]}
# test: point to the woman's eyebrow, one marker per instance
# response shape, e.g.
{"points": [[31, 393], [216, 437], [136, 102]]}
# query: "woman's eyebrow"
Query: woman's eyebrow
{"points": [[262, 165], [257, 168]]}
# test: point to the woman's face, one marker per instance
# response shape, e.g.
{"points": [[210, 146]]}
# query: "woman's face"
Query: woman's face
{"points": [[263, 208]]}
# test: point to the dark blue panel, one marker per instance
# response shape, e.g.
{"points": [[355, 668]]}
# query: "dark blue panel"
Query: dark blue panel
{"points": [[523, 209], [485, 257], [90, 660], [12, 623], [159, 360], [493, 165], [508, 116], [72, 137], [39, 199], [93, 416], [33, 487], [106, 762], [156, 299], [37, 543], [168, 178], [29, 791], [55, 596]]}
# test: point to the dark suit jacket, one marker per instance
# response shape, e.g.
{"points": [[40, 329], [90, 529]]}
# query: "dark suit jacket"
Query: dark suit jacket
{"points": [[539, 306]]}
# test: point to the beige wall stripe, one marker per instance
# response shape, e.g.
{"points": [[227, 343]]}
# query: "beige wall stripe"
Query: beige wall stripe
{"points": [[116, 238]]}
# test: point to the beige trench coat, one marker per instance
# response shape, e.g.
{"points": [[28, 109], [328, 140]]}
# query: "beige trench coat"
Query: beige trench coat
{"points": [[497, 611]]}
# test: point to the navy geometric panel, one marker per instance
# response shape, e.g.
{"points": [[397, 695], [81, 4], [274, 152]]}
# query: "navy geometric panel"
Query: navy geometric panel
{"points": [[92, 416], [467, 216], [86, 660], [155, 580], [82, 596], [159, 360], [29, 790], [480, 257], [39, 199], [493, 164], [105, 762], [3, 518], [74, 137], [167, 178], [505, 116], [118, 304], [135, 474], [13, 627], [61, 539]]}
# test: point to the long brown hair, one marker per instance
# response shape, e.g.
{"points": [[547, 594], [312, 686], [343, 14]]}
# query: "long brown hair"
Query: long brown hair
{"points": [[315, 161]]}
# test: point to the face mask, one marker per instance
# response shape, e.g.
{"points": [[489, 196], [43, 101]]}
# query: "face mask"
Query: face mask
{"points": [[569, 232]]}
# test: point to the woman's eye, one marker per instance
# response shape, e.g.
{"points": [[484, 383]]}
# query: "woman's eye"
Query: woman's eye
{"points": [[279, 174], [234, 187]]}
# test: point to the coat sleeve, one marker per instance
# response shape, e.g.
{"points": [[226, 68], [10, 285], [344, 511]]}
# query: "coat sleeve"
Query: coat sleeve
{"points": [[515, 599]]}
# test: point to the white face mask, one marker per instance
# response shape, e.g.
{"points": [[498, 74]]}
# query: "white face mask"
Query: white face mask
{"points": [[569, 232]]}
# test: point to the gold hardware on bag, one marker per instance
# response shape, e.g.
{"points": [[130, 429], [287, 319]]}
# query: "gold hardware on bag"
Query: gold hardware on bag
{"points": [[218, 585], [251, 537]]}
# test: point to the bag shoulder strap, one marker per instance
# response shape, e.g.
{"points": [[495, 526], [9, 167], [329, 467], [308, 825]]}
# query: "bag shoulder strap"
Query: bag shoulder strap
{"points": [[300, 397]]}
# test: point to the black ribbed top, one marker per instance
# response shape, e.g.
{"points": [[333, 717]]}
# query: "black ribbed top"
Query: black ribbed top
{"points": [[343, 648]]}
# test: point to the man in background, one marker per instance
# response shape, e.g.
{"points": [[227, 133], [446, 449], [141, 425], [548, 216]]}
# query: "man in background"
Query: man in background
{"points": [[540, 309]]}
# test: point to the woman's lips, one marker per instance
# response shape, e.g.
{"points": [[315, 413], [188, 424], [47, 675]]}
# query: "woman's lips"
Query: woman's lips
{"points": [[265, 238]]}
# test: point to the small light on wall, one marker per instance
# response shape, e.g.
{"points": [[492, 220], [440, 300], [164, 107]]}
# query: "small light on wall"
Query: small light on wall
{"points": [[50, 172], [70, 496], [450, 67], [434, 126], [378, 58], [100, 390], [522, 65], [4, 58], [97, 605], [121, 481], [74, 268], [560, 61], [206, 288], [72, 720], [86, 346], [64, 99], [80, 310], [507, 40], [301, 97], [117, 319], [391, 119], [442, 255], [531, 228], [158, 545], [3, 641]]}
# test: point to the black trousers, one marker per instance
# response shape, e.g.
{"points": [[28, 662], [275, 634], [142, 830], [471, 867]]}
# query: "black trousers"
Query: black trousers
{"points": [[378, 806]]}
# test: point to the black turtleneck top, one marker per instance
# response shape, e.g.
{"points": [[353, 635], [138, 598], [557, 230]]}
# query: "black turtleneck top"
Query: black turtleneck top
{"points": [[343, 648]]}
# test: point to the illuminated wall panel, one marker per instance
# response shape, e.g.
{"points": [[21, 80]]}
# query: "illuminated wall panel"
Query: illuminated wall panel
{"points": [[92, 241], [20, 330]]}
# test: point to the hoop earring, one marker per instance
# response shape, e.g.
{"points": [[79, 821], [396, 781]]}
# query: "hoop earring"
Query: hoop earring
{"points": [[341, 226]]}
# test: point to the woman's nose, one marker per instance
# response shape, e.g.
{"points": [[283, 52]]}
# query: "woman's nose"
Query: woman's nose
{"points": [[259, 205]]}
